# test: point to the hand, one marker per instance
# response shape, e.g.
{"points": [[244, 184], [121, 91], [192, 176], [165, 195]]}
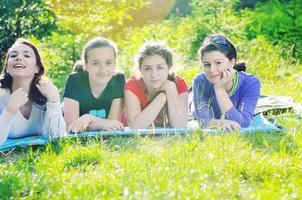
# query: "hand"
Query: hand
{"points": [[16, 100], [49, 90], [112, 125], [227, 76], [168, 86], [80, 124], [228, 125]]}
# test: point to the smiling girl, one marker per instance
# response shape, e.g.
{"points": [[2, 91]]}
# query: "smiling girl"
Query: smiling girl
{"points": [[93, 98], [223, 96], [28, 105], [157, 98]]}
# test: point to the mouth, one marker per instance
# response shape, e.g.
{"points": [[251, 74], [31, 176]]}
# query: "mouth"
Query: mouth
{"points": [[101, 75], [215, 76], [19, 66]]}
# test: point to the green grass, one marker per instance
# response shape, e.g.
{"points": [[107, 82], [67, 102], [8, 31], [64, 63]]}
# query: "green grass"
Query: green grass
{"points": [[197, 166]]}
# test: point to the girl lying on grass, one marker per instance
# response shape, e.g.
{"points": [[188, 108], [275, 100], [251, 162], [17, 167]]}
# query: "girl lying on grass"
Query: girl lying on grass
{"points": [[223, 95], [157, 98], [93, 97], [28, 105]]}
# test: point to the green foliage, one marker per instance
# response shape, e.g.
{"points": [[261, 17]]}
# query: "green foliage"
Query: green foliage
{"points": [[22, 19], [281, 22], [90, 18], [60, 51]]}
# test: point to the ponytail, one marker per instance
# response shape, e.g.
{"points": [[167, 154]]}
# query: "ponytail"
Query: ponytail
{"points": [[240, 67], [79, 66]]}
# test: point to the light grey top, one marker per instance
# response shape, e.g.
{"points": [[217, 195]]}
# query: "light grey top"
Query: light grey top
{"points": [[43, 120]]}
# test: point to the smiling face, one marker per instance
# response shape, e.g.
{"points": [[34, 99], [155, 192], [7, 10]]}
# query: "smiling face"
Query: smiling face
{"points": [[154, 70], [214, 63], [101, 64], [21, 61]]}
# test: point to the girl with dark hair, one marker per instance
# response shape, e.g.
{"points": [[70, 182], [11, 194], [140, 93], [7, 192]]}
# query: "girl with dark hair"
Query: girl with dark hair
{"points": [[157, 98], [93, 98], [28, 105], [223, 95]]}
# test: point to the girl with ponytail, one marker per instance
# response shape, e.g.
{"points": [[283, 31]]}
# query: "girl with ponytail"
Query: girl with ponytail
{"points": [[223, 95], [93, 96]]}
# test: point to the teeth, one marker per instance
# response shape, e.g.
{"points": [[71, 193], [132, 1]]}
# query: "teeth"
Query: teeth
{"points": [[19, 66]]}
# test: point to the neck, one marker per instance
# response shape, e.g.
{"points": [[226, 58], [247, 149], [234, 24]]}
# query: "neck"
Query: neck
{"points": [[24, 83], [150, 92], [96, 88]]}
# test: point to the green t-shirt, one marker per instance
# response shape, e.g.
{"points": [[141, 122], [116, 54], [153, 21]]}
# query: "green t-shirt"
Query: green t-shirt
{"points": [[78, 88]]}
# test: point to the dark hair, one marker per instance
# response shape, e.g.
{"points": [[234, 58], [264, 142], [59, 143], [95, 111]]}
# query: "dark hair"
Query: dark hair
{"points": [[152, 48], [97, 42], [6, 80], [223, 45]]}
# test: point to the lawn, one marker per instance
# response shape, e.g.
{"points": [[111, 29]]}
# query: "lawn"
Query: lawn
{"points": [[195, 166]]}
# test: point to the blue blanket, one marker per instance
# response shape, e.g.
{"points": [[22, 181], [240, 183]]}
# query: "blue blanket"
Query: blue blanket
{"points": [[258, 124]]}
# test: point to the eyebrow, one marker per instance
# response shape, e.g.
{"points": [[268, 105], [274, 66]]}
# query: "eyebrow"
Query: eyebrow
{"points": [[23, 52]]}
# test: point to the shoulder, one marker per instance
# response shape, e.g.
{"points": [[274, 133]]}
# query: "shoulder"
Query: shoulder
{"points": [[249, 84], [78, 76], [199, 78], [249, 79], [4, 92], [119, 78], [134, 84], [181, 84], [4, 96]]}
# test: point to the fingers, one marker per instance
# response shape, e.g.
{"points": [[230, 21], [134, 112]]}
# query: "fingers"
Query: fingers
{"points": [[230, 126], [49, 90], [78, 125], [114, 125]]}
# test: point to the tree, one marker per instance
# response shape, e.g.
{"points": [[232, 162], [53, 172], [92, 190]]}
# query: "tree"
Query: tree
{"points": [[283, 27], [24, 18]]}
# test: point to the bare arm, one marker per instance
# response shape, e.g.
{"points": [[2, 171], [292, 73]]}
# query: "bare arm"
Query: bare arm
{"points": [[177, 105], [71, 111], [116, 109], [113, 122], [138, 118]]}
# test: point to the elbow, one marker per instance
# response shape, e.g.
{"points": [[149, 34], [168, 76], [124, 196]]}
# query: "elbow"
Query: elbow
{"points": [[244, 123]]}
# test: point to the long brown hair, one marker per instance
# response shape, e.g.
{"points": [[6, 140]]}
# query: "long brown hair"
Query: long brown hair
{"points": [[6, 80]]}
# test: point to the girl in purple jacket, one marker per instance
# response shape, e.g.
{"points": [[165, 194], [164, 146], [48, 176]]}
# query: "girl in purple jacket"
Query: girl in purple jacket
{"points": [[223, 95]]}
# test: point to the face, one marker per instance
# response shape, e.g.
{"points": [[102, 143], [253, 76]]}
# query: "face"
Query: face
{"points": [[101, 64], [154, 70], [21, 61], [214, 63]]}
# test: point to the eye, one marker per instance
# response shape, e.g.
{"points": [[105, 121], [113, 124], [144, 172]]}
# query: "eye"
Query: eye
{"points": [[146, 68], [160, 67], [108, 62], [206, 65], [13, 55], [218, 63], [27, 55]]}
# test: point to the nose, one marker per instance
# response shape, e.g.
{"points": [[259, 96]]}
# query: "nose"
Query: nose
{"points": [[101, 68], [153, 73], [18, 57], [211, 68]]}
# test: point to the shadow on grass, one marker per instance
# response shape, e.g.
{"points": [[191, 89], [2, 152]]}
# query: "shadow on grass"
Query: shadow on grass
{"points": [[277, 142]]}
